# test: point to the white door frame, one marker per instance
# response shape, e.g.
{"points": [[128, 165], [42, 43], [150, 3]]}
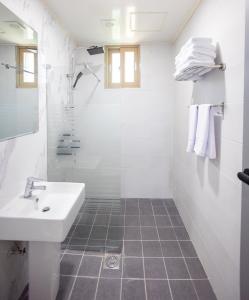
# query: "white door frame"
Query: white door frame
{"points": [[244, 259]]}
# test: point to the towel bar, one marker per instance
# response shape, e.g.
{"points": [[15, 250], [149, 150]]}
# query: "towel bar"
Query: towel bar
{"points": [[197, 71], [221, 106], [221, 67]]}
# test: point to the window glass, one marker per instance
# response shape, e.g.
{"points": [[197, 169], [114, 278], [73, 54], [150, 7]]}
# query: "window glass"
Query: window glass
{"points": [[115, 67], [122, 69], [29, 65], [129, 62]]}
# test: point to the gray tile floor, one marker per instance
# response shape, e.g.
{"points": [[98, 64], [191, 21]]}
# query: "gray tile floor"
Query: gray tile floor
{"points": [[158, 260]]}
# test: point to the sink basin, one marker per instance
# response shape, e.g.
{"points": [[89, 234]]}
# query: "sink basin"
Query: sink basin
{"points": [[24, 219], [45, 224]]}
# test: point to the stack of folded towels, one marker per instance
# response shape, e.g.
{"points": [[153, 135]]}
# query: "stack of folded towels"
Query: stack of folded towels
{"points": [[195, 59]]}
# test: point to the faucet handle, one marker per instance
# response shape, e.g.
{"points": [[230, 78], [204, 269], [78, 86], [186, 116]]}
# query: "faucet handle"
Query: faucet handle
{"points": [[34, 179]]}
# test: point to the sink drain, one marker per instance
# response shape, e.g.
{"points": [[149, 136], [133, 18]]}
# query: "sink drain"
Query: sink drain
{"points": [[112, 262], [45, 209]]}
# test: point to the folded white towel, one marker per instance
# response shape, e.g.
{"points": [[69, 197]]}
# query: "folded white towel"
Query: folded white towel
{"points": [[208, 50], [199, 41], [196, 52], [202, 132], [194, 63], [202, 58], [194, 67], [189, 77], [195, 59], [193, 54], [190, 74], [192, 125]]}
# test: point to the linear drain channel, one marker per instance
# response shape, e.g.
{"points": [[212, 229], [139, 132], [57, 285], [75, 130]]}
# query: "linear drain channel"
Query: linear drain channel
{"points": [[112, 262]]}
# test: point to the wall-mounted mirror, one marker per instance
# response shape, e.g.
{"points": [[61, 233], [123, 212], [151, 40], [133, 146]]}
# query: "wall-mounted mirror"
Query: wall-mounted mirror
{"points": [[18, 77]]}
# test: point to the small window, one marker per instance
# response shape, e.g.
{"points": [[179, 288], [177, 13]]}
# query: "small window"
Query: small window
{"points": [[27, 64], [122, 66]]}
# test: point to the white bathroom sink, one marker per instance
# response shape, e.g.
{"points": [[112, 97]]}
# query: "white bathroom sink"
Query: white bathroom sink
{"points": [[23, 219]]}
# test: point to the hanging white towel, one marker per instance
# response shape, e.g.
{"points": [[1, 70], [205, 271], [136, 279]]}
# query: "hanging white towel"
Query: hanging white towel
{"points": [[202, 131], [193, 116], [211, 147]]}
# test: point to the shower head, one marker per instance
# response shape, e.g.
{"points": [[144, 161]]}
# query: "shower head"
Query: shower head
{"points": [[80, 74], [87, 70], [95, 50]]}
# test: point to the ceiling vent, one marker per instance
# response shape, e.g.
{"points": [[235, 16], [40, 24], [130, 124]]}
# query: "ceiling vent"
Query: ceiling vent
{"points": [[147, 21], [109, 23], [15, 25]]}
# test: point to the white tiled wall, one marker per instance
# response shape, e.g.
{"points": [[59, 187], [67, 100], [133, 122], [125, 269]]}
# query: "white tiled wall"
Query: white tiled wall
{"points": [[208, 193], [147, 127], [26, 156], [126, 134]]}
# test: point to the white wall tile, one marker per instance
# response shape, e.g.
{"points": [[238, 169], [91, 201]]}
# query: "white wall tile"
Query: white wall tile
{"points": [[27, 156], [126, 130], [208, 193]]}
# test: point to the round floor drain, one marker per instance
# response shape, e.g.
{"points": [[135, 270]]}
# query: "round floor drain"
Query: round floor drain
{"points": [[112, 262]]}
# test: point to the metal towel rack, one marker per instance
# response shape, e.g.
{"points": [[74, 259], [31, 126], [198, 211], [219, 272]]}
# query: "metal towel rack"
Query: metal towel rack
{"points": [[199, 71], [221, 67], [67, 144], [221, 106]]}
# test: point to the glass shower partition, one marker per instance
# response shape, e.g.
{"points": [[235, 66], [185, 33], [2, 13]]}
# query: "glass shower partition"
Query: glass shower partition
{"points": [[84, 145]]}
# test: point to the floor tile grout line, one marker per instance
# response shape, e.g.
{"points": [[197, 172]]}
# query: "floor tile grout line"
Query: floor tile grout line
{"points": [[122, 259], [171, 294], [103, 225], [135, 278], [71, 291], [137, 239], [108, 226], [110, 214], [184, 259], [145, 285], [130, 256], [98, 225], [97, 286], [188, 272], [129, 215], [70, 238]]}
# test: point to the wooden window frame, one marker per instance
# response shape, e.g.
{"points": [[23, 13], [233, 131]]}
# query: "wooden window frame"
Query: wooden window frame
{"points": [[20, 50], [108, 62]]}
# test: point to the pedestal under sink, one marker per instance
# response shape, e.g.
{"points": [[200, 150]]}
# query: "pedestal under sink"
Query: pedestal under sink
{"points": [[44, 220]]}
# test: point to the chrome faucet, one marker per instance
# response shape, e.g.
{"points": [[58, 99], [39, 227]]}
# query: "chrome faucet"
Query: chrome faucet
{"points": [[30, 186]]}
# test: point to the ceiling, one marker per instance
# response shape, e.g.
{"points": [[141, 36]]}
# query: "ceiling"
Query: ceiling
{"points": [[123, 21], [13, 30]]}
